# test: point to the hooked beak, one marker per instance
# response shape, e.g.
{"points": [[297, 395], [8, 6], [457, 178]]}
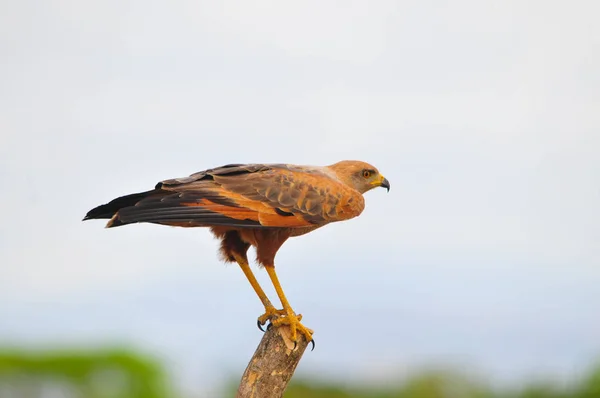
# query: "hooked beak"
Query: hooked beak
{"points": [[385, 183]]}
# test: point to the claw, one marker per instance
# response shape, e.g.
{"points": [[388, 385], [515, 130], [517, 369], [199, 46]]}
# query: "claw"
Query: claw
{"points": [[274, 317], [293, 321], [312, 342], [271, 313]]}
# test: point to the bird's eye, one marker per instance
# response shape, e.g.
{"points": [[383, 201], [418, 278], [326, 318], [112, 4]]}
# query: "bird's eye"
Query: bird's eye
{"points": [[366, 173]]}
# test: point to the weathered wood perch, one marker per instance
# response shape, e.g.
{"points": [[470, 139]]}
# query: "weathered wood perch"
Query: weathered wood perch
{"points": [[272, 365]]}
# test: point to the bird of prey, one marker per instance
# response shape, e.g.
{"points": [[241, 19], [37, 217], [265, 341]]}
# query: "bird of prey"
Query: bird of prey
{"points": [[260, 205]]}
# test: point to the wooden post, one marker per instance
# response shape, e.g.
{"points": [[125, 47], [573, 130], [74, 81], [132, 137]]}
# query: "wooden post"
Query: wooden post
{"points": [[272, 365]]}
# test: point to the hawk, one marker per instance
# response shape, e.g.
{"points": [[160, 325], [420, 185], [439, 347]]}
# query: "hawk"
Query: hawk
{"points": [[259, 205]]}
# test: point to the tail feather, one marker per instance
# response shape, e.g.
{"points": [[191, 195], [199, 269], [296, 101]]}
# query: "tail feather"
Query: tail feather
{"points": [[108, 210], [198, 208]]}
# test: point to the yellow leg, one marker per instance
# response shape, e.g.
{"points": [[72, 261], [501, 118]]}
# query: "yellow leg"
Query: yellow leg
{"points": [[271, 313], [290, 318]]}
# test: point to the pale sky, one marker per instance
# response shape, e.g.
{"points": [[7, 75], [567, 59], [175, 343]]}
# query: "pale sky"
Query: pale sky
{"points": [[484, 116]]}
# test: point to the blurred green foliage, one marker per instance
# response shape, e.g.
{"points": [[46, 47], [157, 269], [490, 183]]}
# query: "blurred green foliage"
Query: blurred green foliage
{"points": [[125, 374], [446, 385], [80, 374]]}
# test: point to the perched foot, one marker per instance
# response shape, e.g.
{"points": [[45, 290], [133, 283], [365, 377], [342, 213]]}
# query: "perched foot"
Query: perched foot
{"points": [[293, 321], [271, 314]]}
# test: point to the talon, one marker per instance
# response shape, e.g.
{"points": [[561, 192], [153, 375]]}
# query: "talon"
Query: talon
{"points": [[313, 344], [271, 314], [293, 321]]}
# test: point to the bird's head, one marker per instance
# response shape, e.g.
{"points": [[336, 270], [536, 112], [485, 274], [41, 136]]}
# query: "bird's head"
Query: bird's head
{"points": [[359, 175]]}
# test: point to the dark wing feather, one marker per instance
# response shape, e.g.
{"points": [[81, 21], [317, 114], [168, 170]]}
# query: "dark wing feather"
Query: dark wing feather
{"points": [[108, 210], [188, 208]]}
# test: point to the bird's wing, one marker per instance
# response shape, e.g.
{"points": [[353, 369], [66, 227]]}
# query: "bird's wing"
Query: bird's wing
{"points": [[254, 195]]}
